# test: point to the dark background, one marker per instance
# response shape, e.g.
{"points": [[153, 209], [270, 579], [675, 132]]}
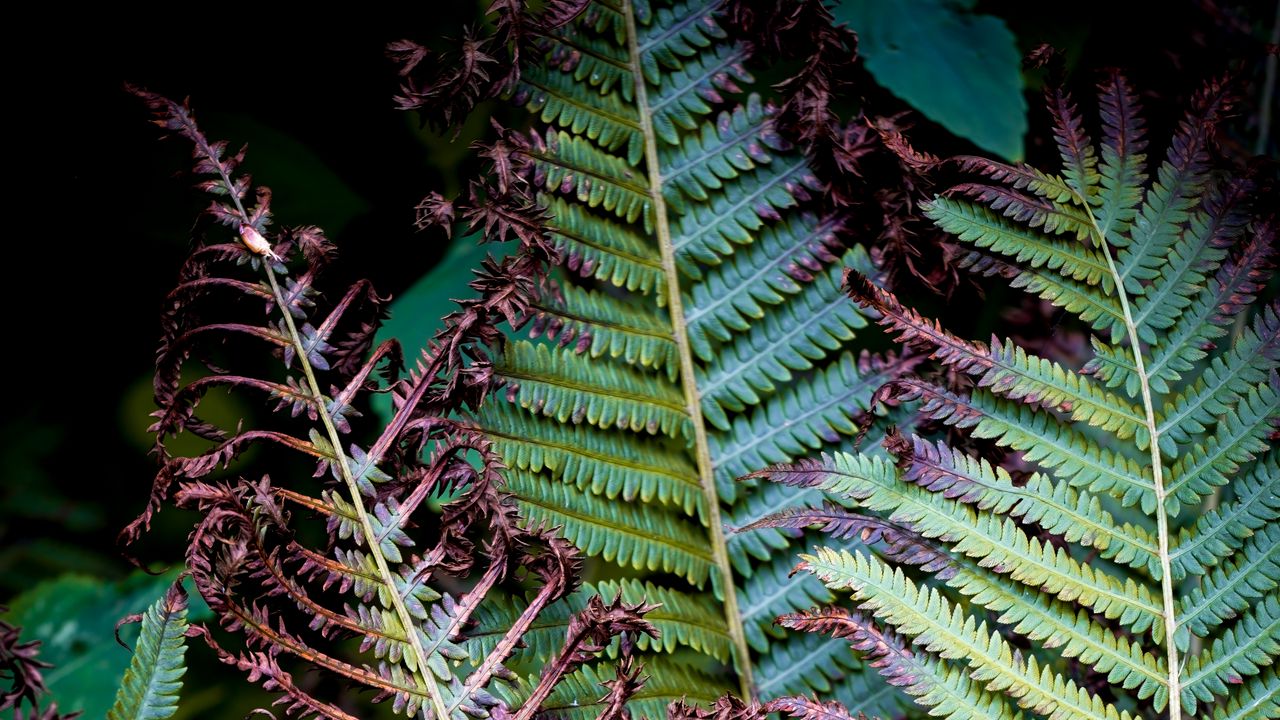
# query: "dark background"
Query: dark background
{"points": [[104, 211]]}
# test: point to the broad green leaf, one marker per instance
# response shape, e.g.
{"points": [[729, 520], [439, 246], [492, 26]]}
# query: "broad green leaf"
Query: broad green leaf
{"points": [[960, 68]]}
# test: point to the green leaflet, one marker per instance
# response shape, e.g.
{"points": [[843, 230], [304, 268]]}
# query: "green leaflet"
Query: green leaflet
{"points": [[1140, 555], [151, 685], [926, 615]]}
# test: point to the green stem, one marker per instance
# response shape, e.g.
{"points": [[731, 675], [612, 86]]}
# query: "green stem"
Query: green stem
{"points": [[1157, 479], [417, 654], [706, 473]]}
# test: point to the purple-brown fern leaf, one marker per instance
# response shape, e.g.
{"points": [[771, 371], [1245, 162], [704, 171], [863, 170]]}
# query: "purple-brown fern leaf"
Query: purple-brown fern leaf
{"points": [[385, 547]]}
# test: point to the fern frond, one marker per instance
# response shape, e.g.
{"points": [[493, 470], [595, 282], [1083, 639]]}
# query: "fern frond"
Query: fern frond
{"points": [[609, 121], [1257, 699], [573, 166], [1077, 517], [789, 340], [1221, 531], [996, 542], [934, 683], [1179, 185], [777, 265], [1020, 242], [373, 579], [600, 325], [1058, 448], [596, 247], [1218, 224], [1100, 311], [1126, 537], [563, 385], [1004, 368], [1122, 168], [150, 688], [698, 333], [1228, 377], [1241, 437], [813, 413], [1079, 161], [599, 461]]}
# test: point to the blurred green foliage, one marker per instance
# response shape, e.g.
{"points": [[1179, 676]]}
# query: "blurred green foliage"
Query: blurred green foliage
{"points": [[74, 617]]}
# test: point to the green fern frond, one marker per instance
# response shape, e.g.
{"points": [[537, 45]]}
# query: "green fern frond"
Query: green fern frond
{"points": [[599, 461], [1100, 311], [569, 388], [609, 121], [813, 413], [604, 325], [150, 688], [996, 541], [1239, 653], [1055, 507], [988, 230], [695, 330], [1222, 531], [789, 340], [572, 165], [596, 247], [1134, 550], [1122, 166]]}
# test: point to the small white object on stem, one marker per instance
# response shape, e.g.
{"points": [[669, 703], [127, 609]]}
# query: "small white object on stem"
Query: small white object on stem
{"points": [[253, 240]]}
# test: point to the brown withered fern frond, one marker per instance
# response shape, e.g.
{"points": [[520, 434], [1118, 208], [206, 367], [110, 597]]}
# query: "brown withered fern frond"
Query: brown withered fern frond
{"points": [[858, 159], [446, 89], [377, 573], [22, 686]]}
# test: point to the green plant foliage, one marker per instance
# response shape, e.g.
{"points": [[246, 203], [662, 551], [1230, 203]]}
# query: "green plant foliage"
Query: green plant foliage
{"points": [[960, 68], [695, 330], [153, 681], [74, 617], [1139, 559]]}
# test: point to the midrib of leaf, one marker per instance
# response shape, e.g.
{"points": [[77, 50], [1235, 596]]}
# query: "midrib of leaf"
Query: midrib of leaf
{"points": [[1157, 478], [366, 526], [688, 381]]}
